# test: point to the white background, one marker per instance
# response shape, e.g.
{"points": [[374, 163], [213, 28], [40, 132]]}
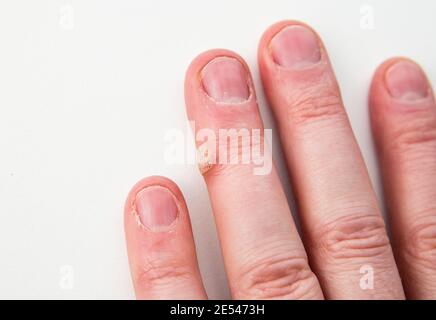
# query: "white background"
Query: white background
{"points": [[88, 90]]}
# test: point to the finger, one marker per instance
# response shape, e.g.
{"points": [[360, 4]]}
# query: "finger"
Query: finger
{"points": [[263, 254], [344, 232], [160, 245], [403, 116]]}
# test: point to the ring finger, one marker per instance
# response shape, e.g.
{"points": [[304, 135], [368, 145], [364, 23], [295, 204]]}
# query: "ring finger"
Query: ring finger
{"points": [[263, 254]]}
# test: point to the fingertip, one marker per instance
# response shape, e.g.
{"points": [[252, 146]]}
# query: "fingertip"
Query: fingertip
{"points": [[399, 86], [408, 74], [193, 73], [154, 181], [292, 58], [229, 84], [275, 28], [202, 59], [265, 55], [378, 87], [377, 92]]}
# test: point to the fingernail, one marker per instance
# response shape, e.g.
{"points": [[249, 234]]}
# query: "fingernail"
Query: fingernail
{"points": [[226, 80], [156, 207], [406, 81], [295, 47]]}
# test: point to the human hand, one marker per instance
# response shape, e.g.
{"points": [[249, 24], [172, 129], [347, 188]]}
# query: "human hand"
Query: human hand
{"points": [[342, 228]]}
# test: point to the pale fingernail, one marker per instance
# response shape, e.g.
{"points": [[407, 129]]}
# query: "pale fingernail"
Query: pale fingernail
{"points": [[156, 207], [225, 80], [295, 47], [406, 81]]}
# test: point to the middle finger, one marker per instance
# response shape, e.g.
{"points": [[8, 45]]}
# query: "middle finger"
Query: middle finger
{"points": [[343, 229]]}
